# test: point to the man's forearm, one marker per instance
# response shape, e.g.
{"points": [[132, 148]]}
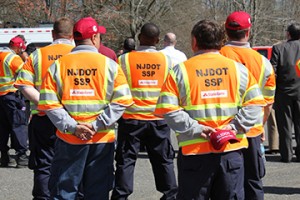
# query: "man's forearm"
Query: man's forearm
{"points": [[31, 94], [182, 123], [267, 111], [108, 117]]}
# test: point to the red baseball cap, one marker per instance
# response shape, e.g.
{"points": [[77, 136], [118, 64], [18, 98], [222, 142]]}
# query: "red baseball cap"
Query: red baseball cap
{"points": [[18, 42], [238, 20], [86, 27], [219, 138]]}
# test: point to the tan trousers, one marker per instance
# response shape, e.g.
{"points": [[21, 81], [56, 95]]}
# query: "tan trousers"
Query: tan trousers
{"points": [[273, 136]]}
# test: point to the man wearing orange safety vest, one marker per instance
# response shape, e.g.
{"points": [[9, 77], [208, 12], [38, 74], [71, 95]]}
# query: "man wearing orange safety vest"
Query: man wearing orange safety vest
{"points": [[238, 26], [84, 93], [41, 130], [12, 105], [146, 69], [210, 102]]}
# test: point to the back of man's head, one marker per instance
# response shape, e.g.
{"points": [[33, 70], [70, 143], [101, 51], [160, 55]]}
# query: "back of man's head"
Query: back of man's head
{"points": [[294, 31], [209, 35], [170, 39], [129, 44], [237, 25], [17, 44], [63, 28], [149, 35], [23, 38]]}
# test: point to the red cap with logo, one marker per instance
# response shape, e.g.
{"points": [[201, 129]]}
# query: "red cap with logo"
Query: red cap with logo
{"points": [[18, 42], [86, 27], [220, 137], [238, 20]]}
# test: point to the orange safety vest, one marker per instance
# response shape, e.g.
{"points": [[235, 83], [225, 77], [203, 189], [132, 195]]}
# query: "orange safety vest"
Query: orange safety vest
{"points": [[211, 89], [146, 73], [36, 66], [10, 65], [84, 83], [263, 72], [297, 67]]}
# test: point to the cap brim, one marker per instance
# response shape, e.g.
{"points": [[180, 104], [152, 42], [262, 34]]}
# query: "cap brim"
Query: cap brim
{"points": [[102, 29]]}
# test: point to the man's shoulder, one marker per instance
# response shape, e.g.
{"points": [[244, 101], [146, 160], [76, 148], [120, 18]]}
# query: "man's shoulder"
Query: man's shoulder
{"points": [[281, 44], [180, 52], [105, 49], [57, 47], [108, 52], [173, 50]]}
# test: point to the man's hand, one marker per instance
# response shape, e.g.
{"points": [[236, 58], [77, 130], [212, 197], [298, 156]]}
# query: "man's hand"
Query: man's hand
{"points": [[263, 137], [84, 132], [207, 131], [228, 127], [87, 125]]}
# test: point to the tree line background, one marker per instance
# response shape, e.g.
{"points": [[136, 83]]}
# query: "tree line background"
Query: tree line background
{"points": [[124, 18]]}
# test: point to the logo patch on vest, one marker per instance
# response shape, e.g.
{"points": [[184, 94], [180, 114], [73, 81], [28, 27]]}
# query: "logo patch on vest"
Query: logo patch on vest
{"points": [[213, 94], [82, 92], [148, 82]]}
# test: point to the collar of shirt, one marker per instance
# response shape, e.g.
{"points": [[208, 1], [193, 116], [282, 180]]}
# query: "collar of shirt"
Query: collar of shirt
{"points": [[62, 41], [237, 43], [169, 48], [85, 48], [147, 48], [213, 51]]}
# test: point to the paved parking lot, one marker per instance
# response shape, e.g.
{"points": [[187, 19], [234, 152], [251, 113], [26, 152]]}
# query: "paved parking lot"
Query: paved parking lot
{"points": [[282, 181]]}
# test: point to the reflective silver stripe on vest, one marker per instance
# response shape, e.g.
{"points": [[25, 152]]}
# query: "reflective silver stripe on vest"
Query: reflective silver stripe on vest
{"points": [[140, 94], [85, 106], [213, 112], [49, 96], [6, 64], [8, 79], [242, 79], [111, 72], [37, 61], [139, 109], [179, 78], [122, 62], [55, 74]]}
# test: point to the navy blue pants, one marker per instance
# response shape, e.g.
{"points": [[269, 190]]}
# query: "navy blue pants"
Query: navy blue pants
{"points": [[211, 176], [155, 135], [254, 170], [90, 165], [42, 138], [13, 123]]}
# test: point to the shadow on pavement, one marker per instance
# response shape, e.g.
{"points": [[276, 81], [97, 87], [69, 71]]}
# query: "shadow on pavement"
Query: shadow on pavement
{"points": [[281, 190], [273, 158]]}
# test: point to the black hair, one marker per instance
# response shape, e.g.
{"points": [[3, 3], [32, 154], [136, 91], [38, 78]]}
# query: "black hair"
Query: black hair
{"points": [[30, 48], [294, 31], [149, 35], [150, 30], [129, 44]]}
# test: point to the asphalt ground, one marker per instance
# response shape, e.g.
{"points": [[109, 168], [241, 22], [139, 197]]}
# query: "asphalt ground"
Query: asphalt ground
{"points": [[282, 180]]}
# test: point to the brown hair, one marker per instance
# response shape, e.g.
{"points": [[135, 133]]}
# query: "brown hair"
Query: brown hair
{"points": [[236, 34], [208, 34], [63, 27]]}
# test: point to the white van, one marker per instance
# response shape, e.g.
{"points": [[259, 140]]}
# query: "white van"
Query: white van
{"points": [[40, 36]]}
